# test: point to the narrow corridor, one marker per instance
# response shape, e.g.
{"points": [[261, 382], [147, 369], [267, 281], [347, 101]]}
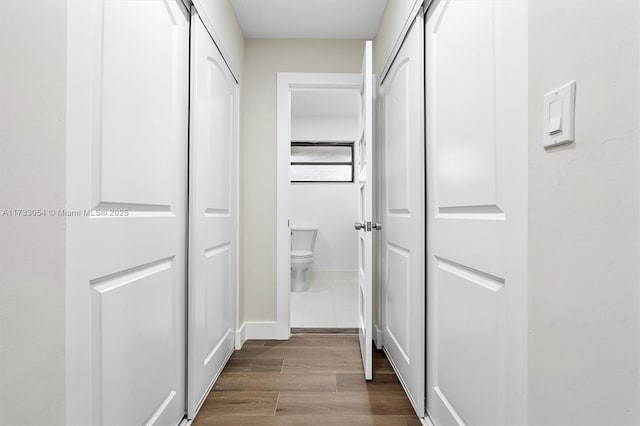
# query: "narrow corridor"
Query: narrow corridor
{"points": [[310, 379]]}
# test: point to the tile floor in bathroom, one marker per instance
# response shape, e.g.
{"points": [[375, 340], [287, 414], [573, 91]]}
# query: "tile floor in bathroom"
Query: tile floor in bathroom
{"points": [[327, 304]]}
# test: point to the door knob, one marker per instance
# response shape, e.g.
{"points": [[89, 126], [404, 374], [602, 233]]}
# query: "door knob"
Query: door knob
{"points": [[377, 226], [359, 225]]}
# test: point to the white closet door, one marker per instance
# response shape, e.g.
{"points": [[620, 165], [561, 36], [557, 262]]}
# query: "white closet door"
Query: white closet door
{"points": [[212, 216], [476, 56], [127, 161], [403, 233], [365, 181]]}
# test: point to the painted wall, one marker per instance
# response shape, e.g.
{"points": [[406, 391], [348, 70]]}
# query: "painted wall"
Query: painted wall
{"points": [[32, 175], [263, 60], [333, 207], [306, 128], [584, 217]]}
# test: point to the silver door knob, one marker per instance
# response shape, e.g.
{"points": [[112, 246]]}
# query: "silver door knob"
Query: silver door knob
{"points": [[377, 226], [359, 225]]}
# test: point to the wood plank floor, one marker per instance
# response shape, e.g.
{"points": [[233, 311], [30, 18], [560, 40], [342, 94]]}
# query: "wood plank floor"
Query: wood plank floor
{"points": [[310, 379]]}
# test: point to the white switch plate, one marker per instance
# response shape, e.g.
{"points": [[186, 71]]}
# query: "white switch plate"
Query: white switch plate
{"points": [[559, 115]]}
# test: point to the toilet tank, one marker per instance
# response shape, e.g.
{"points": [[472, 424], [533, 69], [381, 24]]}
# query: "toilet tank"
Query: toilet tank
{"points": [[303, 237]]}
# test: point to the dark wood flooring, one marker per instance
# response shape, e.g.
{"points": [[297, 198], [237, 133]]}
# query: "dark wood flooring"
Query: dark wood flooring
{"points": [[310, 379]]}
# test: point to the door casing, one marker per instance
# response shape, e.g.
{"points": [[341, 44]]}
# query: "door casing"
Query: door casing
{"points": [[288, 82]]}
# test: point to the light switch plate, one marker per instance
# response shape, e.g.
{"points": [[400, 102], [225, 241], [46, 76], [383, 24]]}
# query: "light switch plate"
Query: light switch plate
{"points": [[559, 115]]}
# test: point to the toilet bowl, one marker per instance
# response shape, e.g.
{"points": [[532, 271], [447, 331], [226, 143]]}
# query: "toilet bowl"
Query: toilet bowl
{"points": [[302, 244], [301, 260]]}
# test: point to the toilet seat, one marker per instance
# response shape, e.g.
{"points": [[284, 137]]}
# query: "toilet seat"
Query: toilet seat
{"points": [[301, 254]]}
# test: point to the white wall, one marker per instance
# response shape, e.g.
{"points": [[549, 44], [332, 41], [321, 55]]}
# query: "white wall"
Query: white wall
{"points": [[333, 207], [32, 175], [584, 217], [263, 60], [308, 128]]}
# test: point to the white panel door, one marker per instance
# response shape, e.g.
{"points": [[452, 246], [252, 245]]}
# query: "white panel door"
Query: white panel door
{"points": [[403, 234], [126, 191], [212, 214], [365, 213], [476, 79]]}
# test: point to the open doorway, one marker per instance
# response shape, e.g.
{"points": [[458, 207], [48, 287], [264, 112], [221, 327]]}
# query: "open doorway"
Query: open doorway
{"points": [[318, 119], [323, 207]]}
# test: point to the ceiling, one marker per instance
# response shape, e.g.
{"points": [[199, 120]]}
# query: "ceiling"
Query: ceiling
{"points": [[321, 19]]}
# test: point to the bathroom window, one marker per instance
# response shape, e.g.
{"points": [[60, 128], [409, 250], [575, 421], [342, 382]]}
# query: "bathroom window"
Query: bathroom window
{"points": [[321, 161]]}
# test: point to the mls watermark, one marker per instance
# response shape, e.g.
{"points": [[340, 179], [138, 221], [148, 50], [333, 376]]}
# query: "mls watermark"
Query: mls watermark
{"points": [[64, 213]]}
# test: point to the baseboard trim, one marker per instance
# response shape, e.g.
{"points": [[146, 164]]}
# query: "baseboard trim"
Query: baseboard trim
{"points": [[303, 330], [377, 337], [267, 330], [241, 336]]}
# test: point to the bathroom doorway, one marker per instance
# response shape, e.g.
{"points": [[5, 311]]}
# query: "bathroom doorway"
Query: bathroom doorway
{"points": [[317, 155], [323, 207]]}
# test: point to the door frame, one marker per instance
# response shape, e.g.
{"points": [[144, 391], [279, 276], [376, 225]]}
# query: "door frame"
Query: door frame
{"points": [[287, 83]]}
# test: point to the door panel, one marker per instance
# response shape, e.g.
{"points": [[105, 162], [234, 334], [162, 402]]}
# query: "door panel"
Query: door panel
{"points": [[216, 101], [470, 338], [476, 117], [365, 203], [467, 171], [396, 148], [212, 224], [121, 314], [403, 215], [398, 302], [126, 174], [127, 156]]}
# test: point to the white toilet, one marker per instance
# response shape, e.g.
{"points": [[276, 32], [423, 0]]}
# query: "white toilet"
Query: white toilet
{"points": [[303, 241]]}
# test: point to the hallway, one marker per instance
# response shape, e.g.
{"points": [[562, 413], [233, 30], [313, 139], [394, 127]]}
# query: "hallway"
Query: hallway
{"points": [[467, 175], [306, 380]]}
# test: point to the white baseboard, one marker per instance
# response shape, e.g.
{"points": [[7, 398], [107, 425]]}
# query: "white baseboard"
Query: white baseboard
{"points": [[241, 336], [333, 275], [267, 330], [377, 336]]}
